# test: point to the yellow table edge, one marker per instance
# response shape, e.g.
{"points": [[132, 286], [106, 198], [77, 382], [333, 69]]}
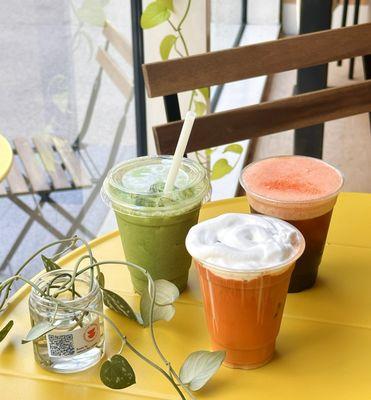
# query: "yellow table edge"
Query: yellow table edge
{"points": [[6, 157]]}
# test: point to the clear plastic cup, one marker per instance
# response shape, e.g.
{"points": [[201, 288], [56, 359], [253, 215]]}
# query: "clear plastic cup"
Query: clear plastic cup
{"points": [[244, 308], [312, 216], [153, 226]]}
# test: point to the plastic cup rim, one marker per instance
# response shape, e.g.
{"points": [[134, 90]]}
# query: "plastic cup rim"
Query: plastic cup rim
{"points": [[272, 200], [158, 157], [118, 205]]}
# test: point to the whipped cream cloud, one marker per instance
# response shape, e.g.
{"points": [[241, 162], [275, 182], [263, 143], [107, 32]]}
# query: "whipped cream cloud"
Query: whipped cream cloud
{"points": [[244, 242]]}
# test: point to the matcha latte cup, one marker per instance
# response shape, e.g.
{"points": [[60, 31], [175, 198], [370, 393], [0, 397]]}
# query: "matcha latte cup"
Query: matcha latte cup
{"points": [[153, 225]]}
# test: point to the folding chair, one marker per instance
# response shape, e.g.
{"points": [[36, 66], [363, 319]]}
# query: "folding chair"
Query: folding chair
{"points": [[47, 164]]}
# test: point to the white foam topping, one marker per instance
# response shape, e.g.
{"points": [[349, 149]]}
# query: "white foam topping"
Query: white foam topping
{"points": [[244, 242]]}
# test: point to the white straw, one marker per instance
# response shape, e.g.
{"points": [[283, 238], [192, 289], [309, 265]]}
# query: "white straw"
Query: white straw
{"points": [[179, 151]]}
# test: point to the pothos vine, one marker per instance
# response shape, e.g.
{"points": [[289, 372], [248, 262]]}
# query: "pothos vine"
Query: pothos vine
{"points": [[116, 372], [161, 11]]}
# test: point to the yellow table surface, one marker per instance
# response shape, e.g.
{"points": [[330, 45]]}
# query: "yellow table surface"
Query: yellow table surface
{"points": [[323, 349], [6, 157]]}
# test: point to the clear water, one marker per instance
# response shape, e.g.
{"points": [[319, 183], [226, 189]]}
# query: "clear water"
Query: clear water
{"points": [[73, 363], [77, 341]]}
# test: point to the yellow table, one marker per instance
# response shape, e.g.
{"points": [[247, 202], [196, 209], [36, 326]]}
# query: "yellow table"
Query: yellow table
{"points": [[6, 157], [323, 350]]}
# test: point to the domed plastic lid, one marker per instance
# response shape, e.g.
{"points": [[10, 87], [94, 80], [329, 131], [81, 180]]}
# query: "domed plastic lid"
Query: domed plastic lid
{"points": [[137, 186]]}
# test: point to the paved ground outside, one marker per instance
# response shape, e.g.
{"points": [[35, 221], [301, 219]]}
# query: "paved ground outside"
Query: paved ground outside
{"points": [[47, 71]]}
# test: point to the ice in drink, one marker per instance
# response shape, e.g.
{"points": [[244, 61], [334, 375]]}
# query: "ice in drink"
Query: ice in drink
{"points": [[244, 264]]}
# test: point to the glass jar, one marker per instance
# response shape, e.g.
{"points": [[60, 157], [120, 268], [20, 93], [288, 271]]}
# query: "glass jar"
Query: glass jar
{"points": [[77, 342]]}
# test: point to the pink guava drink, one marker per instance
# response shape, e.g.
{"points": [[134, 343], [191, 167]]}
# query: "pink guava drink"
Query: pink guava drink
{"points": [[302, 191]]}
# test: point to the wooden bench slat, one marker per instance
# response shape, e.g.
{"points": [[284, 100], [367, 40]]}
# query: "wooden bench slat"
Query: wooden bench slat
{"points": [[17, 183], [43, 144], [114, 72], [35, 174], [218, 67], [270, 117], [73, 164], [118, 42]]}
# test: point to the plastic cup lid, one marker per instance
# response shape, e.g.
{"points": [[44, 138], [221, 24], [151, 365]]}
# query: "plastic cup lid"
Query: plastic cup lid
{"points": [[137, 185]]}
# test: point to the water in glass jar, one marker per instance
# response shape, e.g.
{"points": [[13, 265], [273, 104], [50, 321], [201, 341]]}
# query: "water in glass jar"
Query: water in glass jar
{"points": [[77, 343]]}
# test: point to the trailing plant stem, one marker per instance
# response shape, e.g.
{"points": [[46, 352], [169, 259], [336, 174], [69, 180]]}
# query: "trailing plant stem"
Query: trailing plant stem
{"points": [[185, 14], [152, 291], [164, 359], [73, 241], [125, 342], [191, 100], [68, 285]]}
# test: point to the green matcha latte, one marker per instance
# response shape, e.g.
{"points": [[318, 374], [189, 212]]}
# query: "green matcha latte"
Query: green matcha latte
{"points": [[153, 225]]}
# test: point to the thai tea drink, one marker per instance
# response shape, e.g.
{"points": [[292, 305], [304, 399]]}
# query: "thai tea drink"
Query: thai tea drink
{"points": [[153, 225], [244, 264], [300, 190]]}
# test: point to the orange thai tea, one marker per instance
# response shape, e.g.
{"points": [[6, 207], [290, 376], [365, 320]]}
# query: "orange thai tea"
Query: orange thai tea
{"points": [[244, 264]]}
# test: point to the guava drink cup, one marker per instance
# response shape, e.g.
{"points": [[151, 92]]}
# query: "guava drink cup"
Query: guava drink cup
{"points": [[153, 226], [244, 305], [300, 190]]}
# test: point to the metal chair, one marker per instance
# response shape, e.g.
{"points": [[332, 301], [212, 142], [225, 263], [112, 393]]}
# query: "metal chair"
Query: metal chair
{"points": [[46, 163]]}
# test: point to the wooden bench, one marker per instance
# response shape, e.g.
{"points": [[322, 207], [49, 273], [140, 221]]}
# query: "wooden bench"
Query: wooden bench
{"points": [[219, 67]]}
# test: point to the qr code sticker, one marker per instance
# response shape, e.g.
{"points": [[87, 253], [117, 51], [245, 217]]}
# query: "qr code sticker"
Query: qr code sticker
{"points": [[61, 345]]}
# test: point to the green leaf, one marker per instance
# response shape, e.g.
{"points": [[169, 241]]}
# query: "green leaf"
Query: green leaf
{"points": [[92, 12], [39, 330], [205, 92], [4, 331], [208, 152], [155, 14], [199, 367], [117, 373], [166, 292], [116, 303], [220, 169], [166, 46], [101, 280], [200, 108], [233, 148], [49, 264], [160, 313], [139, 318], [166, 3], [165, 295]]}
